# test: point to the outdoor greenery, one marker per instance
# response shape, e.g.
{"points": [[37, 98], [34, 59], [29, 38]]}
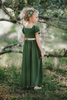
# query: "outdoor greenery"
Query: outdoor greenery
{"points": [[53, 16], [54, 86]]}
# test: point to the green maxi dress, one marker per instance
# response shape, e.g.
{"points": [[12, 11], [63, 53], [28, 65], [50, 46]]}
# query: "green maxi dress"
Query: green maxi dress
{"points": [[32, 67]]}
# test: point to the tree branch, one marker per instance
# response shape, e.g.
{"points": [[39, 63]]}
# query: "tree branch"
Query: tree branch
{"points": [[13, 20], [9, 51], [17, 51], [9, 6], [7, 20], [11, 17], [12, 45], [6, 11], [47, 54], [44, 18]]}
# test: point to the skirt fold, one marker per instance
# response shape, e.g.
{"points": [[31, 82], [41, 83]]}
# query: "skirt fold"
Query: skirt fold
{"points": [[32, 68]]}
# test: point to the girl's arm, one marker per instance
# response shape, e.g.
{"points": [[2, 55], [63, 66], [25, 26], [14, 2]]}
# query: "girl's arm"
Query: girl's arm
{"points": [[23, 38], [38, 42]]}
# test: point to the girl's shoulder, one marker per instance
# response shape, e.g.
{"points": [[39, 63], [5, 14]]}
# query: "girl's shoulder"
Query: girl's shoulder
{"points": [[36, 27]]}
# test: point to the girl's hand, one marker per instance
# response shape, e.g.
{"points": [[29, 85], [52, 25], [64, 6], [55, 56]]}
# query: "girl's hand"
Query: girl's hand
{"points": [[22, 44], [42, 55]]}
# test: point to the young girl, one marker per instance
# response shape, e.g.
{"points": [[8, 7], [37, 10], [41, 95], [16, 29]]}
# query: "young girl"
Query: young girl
{"points": [[32, 68]]}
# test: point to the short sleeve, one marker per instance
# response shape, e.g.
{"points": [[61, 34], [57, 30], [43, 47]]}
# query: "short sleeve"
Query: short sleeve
{"points": [[23, 30], [37, 29]]}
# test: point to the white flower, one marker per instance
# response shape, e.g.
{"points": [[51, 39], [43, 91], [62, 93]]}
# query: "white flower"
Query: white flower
{"points": [[29, 15], [30, 12]]}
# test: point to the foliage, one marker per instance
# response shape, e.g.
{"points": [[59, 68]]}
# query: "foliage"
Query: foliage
{"points": [[54, 85], [63, 60], [43, 6], [2, 74]]}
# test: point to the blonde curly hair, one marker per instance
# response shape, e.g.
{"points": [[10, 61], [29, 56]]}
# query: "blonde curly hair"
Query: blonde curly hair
{"points": [[24, 13]]}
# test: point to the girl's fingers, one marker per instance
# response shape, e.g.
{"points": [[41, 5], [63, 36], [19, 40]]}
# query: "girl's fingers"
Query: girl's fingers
{"points": [[41, 57]]}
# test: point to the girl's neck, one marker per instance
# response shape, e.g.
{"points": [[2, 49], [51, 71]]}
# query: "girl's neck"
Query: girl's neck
{"points": [[29, 24]]}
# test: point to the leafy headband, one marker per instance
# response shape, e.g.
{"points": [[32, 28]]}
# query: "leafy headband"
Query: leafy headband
{"points": [[30, 13]]}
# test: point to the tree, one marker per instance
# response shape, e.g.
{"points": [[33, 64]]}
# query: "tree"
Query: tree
{"points": [[52, 17], [42, 6]]}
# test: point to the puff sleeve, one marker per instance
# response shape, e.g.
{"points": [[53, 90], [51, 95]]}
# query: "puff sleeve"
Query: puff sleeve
{"points": [[37, 30], [23, 30]]}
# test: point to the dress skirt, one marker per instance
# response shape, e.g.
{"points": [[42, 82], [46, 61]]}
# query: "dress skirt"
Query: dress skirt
{"points": [[32, 67]]}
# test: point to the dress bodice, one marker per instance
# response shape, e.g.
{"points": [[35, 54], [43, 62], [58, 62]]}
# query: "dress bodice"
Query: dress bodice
{"points": [[30, 32]]}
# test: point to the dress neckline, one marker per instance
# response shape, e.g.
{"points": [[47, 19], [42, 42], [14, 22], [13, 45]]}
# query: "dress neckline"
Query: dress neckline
{"points": [[29, 28]]}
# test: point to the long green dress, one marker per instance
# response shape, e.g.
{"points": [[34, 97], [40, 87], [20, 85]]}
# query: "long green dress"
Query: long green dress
{"points": [[32, 68]]}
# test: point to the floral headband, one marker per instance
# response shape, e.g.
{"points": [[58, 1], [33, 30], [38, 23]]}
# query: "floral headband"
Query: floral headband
{"points": [[30, 13]]}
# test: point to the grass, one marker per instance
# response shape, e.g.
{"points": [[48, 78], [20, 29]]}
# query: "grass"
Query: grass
{"points": [[63, 36], [2, 74], [11, 42], [54, 85], [63, 60]]}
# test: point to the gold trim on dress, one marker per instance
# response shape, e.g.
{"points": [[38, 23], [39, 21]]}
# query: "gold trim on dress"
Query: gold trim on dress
{"points": [[30, 38]]}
